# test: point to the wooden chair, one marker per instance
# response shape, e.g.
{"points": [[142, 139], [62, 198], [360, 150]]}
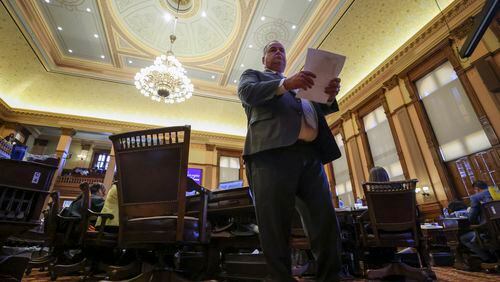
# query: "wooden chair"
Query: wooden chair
{"points": [[23, 189], [393, 223], [152, 169], [490, 227], [68, 233]]}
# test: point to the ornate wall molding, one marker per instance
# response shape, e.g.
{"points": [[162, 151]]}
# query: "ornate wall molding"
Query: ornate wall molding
{"points": [[415, 48], [9, 114]]}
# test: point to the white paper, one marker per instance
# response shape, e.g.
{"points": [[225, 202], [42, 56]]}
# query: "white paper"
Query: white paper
{"points": [[326, 66]]}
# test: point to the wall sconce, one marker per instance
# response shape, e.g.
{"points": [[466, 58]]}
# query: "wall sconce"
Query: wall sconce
{"points": [[84, 152], [424, 190]]}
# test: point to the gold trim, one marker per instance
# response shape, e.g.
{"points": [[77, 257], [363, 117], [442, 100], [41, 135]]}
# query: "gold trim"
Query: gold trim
{"points": [[21, 116], [413, 49]]}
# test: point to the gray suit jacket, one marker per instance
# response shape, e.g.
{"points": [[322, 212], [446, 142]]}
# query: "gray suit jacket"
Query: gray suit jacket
{"points": [[274, 121]]}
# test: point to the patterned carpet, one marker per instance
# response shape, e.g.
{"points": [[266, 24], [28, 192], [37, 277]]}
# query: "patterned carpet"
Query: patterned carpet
{"points": [[445, 274]]}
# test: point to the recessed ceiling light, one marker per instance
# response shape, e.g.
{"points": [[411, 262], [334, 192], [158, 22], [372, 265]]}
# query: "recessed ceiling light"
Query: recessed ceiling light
{"points": [[242, 65], [47, 1], [262, 18], [59, 28], [235, 81], [204, 14], [88, 10], [96, 35], [294, 26], [69, 50], [250, 46], [213, 76], [309, 0], [102, 56], [167, 17], [130, 61]]}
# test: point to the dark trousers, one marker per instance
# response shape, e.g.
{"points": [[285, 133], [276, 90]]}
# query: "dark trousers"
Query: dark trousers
{"points": [[277, 177]]}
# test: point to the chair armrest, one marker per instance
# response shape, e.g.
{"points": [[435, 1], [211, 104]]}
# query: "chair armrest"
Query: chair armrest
{"points": [[69, 218], [362, 217], [360, 222], [104, 217]]}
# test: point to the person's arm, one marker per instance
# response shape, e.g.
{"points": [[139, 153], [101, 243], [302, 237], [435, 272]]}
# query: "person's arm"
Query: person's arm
{"points": [[254, 92], [331, 90], [475, 206]]}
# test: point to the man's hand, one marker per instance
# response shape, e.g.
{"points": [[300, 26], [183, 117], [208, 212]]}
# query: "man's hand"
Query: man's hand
{"points": [[333, 88], [301, 80]]}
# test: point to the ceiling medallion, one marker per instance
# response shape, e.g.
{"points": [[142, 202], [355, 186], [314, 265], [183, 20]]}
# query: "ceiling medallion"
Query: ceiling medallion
{"points": [[166, 79], [187, 8]]}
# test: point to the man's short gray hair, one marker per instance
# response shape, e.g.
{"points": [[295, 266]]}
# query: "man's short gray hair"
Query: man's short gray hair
{"points": [[266, 47]]}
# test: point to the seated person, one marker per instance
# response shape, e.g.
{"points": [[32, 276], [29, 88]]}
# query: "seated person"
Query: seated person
{"points": [[111, 205], [469, 239], [457, 208], [378, 174], [494, 192], [98, 193]]}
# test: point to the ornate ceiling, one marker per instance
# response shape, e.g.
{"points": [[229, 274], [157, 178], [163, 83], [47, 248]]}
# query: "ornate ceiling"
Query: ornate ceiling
{"points": [[110, 40]]}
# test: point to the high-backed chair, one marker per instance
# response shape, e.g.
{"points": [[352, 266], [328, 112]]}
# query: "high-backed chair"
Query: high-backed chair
{"points": [[67, 233], [490, 227], [393, 223], [152, 169]]}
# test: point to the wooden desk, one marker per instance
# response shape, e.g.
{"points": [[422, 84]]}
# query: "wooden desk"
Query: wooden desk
{"points": [[453, 229]]}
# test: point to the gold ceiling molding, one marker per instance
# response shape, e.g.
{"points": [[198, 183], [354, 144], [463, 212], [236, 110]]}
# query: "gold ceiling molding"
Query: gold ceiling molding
{"points": [[30, 117], [109, 15], [431, 34], [249, 7], [183, 11], [316, 21], [117, 71]]}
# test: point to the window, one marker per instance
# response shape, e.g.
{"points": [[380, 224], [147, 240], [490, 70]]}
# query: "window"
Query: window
{"points": [[343, 185], [229, 168], [450, 113], [102, 161], [381, 142]]}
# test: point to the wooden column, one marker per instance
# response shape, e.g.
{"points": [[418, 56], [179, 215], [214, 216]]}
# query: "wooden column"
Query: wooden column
{"points": [[110, 171], [62, 151]]}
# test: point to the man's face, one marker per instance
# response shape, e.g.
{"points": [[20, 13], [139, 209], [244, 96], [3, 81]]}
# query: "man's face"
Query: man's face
{"points": [[275, 57]]}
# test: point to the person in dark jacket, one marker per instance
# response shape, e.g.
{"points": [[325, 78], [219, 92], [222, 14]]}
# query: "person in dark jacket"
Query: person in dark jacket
{"points": [[288, 141]]}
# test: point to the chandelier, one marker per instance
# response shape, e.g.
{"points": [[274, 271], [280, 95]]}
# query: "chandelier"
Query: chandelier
{"points": [[166, 79]]}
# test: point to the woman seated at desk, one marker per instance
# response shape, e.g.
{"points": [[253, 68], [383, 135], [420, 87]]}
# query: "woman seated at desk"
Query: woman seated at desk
{"points": [[111, 205]]}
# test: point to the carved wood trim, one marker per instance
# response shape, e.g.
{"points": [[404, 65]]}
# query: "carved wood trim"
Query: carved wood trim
{"points": [[68, 131], [391, 82], [395, 137], [430, 139], [364, 141], [229, 153]]}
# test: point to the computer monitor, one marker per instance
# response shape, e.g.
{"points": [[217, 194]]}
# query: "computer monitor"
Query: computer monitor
{"points": [[66, 203], [230, 185], [196, 174]]}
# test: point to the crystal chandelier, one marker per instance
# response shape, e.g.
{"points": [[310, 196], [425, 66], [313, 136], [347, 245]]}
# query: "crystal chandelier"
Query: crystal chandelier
{"points": [[166, 79]]}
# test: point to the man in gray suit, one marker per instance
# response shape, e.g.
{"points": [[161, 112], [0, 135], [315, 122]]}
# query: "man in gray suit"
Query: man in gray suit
{"points": [[287, 143]]}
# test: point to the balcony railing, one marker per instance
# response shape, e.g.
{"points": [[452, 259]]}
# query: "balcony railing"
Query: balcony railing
{"points": [[71, 180]]}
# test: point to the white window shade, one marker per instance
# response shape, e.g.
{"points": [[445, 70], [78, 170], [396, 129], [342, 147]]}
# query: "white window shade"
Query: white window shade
{"points": [[229, 169], [451, 114], [381, 142], [343, 187]]}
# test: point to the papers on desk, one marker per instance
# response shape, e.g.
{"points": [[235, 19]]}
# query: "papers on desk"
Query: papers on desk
{"points": [[326, 66], [430, 226]]}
